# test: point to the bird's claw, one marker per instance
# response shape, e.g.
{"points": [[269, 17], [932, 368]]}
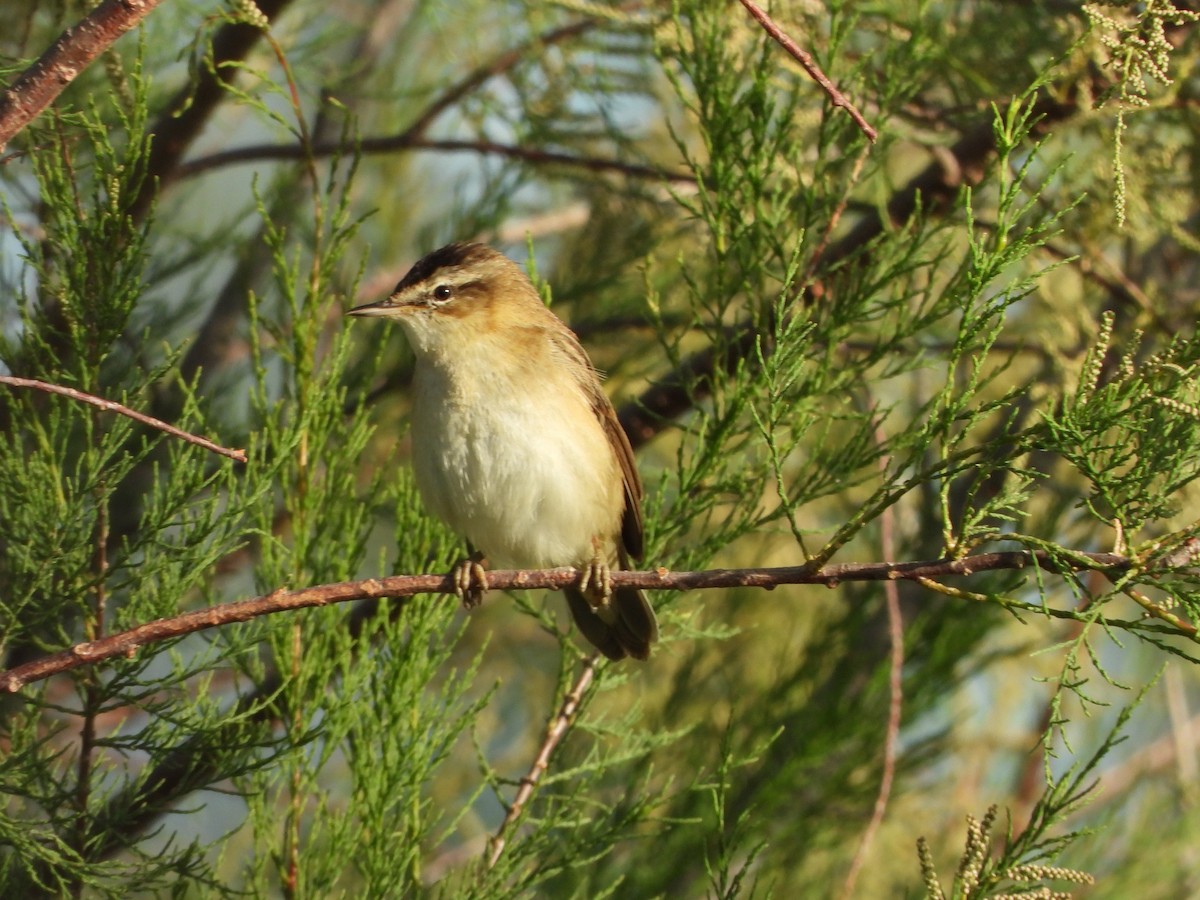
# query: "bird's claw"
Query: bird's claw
{"points": [[470, 582], [598, 576]]}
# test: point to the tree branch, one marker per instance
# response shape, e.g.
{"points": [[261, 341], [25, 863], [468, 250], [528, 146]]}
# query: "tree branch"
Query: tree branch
{"points": [[810, 66], [113, 406], [498, 65], [412, 138], [408, 141], [75, 50], [127, 643], [556, 730]]}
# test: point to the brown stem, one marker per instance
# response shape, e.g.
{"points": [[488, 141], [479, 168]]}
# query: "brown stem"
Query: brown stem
{"points": [[407, 141], [127, 643], [113, 406], [810, 66], [92, 698], [75, 50], [556, 730]]}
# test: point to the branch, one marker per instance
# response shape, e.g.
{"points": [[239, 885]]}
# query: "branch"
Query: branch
{"points": [[556, 730], [75, 50], [127, 643], [412, 137], [408, 141], [810, 66], [498, 65], [113, 406]]}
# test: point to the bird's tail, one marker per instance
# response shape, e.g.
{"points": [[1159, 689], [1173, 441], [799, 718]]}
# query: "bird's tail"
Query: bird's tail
{"points": [[622, 626]]}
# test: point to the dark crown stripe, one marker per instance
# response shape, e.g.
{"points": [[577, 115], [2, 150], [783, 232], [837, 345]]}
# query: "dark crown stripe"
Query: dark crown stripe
{"points": [[449, 257]]}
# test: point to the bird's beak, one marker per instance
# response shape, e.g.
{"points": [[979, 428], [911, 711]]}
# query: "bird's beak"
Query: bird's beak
{"points": [[385, 307]]}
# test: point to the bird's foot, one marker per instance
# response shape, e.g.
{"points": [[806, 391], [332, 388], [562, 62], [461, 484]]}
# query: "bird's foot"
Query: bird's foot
{"points": [[470, 581], [596, 582]]}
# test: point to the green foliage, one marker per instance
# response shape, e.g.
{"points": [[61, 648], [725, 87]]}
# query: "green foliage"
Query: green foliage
{"points": [[1135, 47], [1017, 866], [940, 345]]}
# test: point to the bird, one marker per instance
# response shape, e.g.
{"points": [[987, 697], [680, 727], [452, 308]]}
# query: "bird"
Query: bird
{"points": [[516, 447]]}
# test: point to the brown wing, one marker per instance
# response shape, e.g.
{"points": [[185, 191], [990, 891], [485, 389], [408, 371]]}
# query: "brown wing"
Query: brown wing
{"points": [[589, 380], [631, 519]]}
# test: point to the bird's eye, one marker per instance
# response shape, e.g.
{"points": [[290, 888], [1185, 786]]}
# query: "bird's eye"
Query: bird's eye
{"points": [[442, 292]]}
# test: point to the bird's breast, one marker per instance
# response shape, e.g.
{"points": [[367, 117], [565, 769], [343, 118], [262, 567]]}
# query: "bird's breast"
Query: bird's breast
{"points": [[518, 465]]}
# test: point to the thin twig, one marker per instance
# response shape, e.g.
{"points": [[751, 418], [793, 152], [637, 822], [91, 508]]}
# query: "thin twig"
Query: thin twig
{"points": [[556, 730], [1157, 610], [127, 643], [113, 406], [834, 219], [412, 138], [810, 66], [75, 50], [498, 65], [406, 141]]}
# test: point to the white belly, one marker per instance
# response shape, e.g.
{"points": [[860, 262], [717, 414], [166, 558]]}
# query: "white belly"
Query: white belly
{"points": [[528, 479]]}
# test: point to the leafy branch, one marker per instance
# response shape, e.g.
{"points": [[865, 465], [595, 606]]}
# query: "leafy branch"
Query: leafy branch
{"points": [[127, 643], [113, 406]]}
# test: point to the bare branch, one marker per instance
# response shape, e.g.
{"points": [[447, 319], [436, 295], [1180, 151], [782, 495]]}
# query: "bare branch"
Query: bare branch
{"points": [[408, 141], [127, 643], [75, 50], [556, 730], [113, 406], [498, 65], [412, 138], [810, 66]]}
